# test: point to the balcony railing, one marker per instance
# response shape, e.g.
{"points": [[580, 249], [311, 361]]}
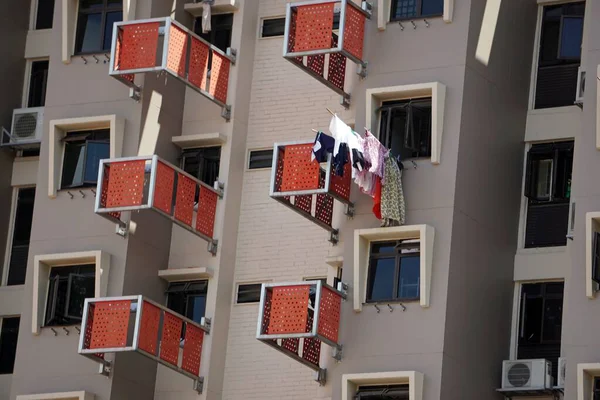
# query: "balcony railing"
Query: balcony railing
{"points": [[162, 44], [137, 324], [297, 182], [140, 183], [311, 43], [295, 318]]}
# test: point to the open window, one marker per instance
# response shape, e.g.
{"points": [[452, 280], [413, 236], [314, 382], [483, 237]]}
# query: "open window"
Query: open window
{"points": [[221, 26], [405, 127], [188, 299], [38, 80], [21, 232], [95, 25], [559, 54], [9, 334], [202, 163], [548, 190], [82, 155], [68, 287], [540, 322]]}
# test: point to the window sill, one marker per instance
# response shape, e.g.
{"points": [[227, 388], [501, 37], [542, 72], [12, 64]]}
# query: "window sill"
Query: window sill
{"points": [[553, 110], [199, 140], [12, 288], [247, 304], [542, 250]]}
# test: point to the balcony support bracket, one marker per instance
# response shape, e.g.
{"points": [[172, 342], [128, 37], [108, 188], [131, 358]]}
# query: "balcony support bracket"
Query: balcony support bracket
{"points": [[232, 53], [213, 246], [338, 353], [350, 210], [321, 376], [206, 323], [362, 70], [199, 385], [226, 112], [220, 188], [334, 236]]}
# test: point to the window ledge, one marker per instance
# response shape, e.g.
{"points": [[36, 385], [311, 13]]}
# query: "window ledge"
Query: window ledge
{"points": [[362, 242], [81, 395], [185, 274], [542, 250], [414, 379], [220, 6], [334, 261], [199, 140]]}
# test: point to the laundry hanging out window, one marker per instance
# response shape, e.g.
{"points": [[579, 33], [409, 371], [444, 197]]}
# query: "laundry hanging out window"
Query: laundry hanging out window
{"points": [[405, 127]]}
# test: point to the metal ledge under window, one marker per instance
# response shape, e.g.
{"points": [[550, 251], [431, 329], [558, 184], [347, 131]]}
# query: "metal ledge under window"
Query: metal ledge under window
{"points": [[310, 43], [164, 45]]}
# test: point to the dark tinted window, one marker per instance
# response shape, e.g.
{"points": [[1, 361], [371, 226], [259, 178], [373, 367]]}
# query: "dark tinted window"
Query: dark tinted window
{"points": [[44, 15], [394, 271], [202, 163], [405, 128], [395, 392], [596, 389], [67, 291], [9, 333], [188, 299], [540, 322], [273, 27], [95, 25], [406, 9], [560, 55], [83, 152], [248, 293], [37, 84], [30, 152], [260, 159], [220, 32], [19, 250]]}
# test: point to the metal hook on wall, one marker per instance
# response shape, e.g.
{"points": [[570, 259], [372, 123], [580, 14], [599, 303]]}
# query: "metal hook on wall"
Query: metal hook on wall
{"points": [[391, 308], [54, 331], [413, 24], [85, 61], [426, 23], [414, 164], [95, 58], [66, 330], [401, 26], [70, 194], [94, 191], [82, 194], [377, 308]]}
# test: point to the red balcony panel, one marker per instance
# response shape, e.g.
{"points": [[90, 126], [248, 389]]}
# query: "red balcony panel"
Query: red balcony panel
{"points": [[162, 44], [312, 45], [149, 329], [137, 324], [295, 180], [148, 182], [192, 349], [288, 320]]}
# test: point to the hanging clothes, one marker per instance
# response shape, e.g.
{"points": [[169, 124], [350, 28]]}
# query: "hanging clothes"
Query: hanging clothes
{"points": [[392, 196], [323, 146], [206, 15], [342, 133], [340, 160], [377, 198], [374, 153]]}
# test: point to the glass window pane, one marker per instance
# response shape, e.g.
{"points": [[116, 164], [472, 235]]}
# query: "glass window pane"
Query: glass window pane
{"points": [[409, 278], [196, 306], [197, 287], [532, 329], [91, 4], [543, 178], [95, 152], [9, 333], [115, 3], [176, 287], [432, 7], [249, 293], [176, 302], [111, 18], [552, 319], [404, 9], [72, 174], [383, 247], [37, 84], [273, 27], [381, 279], [89, 31], [260, 159], [81, 287], [44, 15], [571, 35]]}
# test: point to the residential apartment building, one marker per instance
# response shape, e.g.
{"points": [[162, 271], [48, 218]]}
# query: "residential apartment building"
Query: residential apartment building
{"points": [[168, 237]]}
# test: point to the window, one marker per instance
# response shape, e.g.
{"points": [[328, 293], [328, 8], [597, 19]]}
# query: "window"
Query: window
{"points": [[202, 163], [394, 271], [188, 299], [337, 278], [37, 84], [540, 322], [9, 333], [260, 159], [406, 9], [44, 14], [83, 152], [596, 388], [248, 293], [559, 55], [548, 189], [383, 392], [405, 127], [19, 247], [67, 290], [596, 258], [95, 25], [220, 33], [272, 27]]}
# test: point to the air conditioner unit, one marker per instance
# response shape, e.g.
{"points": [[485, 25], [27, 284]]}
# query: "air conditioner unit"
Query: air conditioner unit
{"points": [[580, 86], [526, 374], [562, 365], [26, 128]]}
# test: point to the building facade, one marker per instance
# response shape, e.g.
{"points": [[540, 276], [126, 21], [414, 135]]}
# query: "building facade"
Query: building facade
{"points": [[487, 291]]}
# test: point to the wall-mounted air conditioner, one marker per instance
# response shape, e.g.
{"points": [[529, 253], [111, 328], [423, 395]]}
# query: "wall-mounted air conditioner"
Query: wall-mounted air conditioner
{"points": [[580, 86], [527, 374], [26, 128], [562, 371]]}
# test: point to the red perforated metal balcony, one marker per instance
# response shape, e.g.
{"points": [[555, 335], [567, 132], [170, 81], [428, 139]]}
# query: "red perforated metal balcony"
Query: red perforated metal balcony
{"points": [[312, 44], [137, 324], [307, 187], [164, 45], [142, 183], [296, 318]]}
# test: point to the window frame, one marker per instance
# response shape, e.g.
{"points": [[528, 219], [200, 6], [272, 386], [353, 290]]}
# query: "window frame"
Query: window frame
{"points": [[183, 157], [237, 290], [414, 380], [397, 269], [27, 79], [186, 295], [250, 151], [544, 296], [261, 25], [47, 319], [418, 15], [33, 18], [2, 319], [85, 141], [106, 8]]}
